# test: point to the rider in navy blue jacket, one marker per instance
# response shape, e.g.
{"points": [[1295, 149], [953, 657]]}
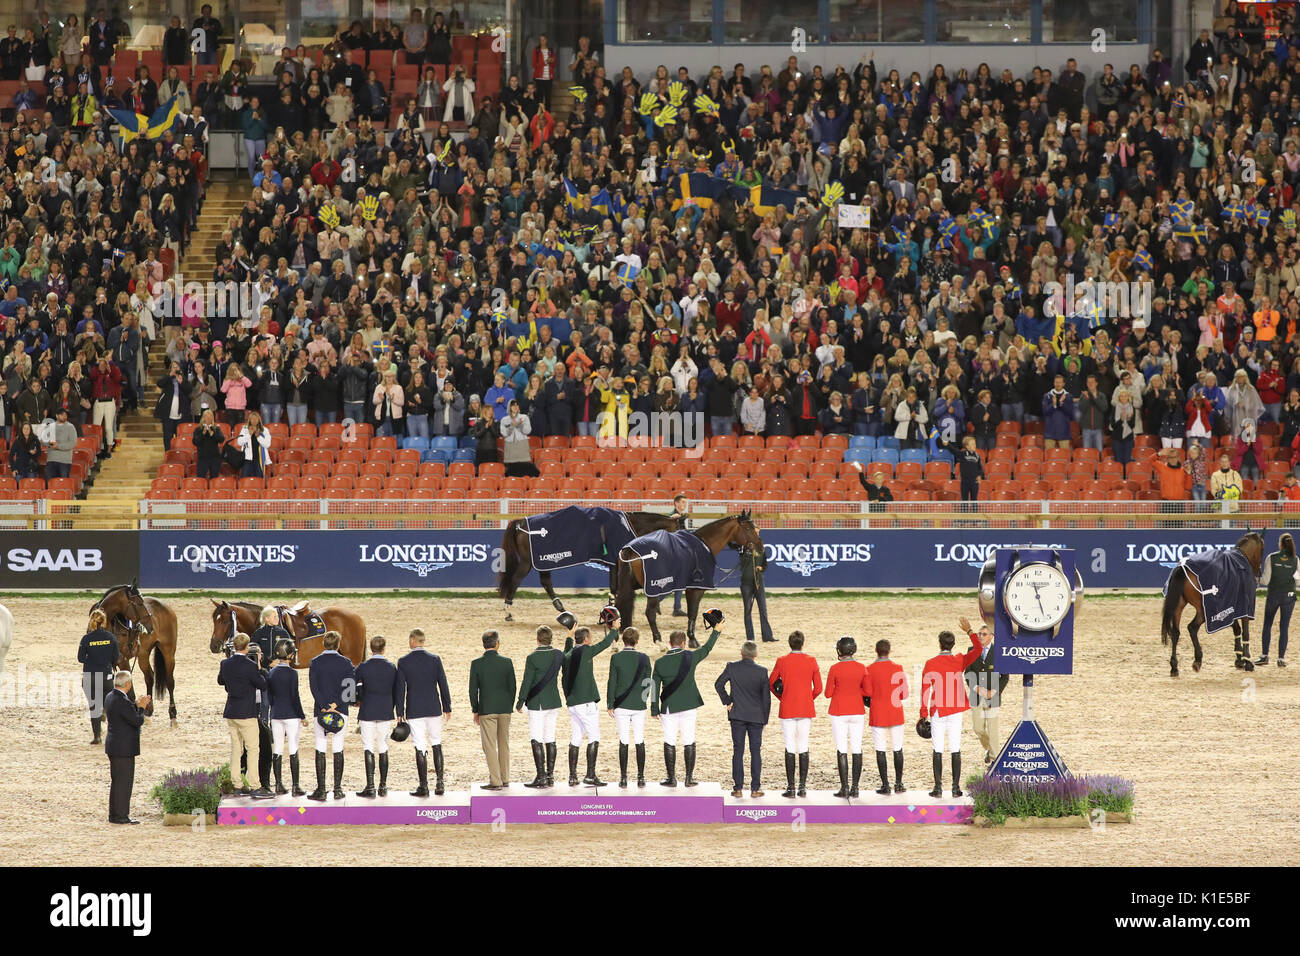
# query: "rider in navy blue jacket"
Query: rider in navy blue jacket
{"points": [[428, 697], [380, 691], [286, 711], [242, 679], [333, 687]]}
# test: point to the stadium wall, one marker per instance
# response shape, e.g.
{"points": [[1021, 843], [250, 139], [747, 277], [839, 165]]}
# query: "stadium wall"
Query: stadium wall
{"points": [[468, 559]]}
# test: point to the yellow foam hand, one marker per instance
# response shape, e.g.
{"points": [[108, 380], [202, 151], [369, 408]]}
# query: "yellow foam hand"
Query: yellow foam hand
{"points": [[649, 103], [369, 208], [329, 217], [666, 115], [676, 93], [706, 104], [834, 194]]}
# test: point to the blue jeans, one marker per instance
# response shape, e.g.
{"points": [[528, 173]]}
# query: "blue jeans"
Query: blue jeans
{"points": [[1272, 606], [326, 418], [271, 414], [57, 469], [1013, 411], [1198, 492], [296, 414], [417, 426], [386, 428], [1092, 438], [355, 411], [254, 148], [720, 424], [589, 428]]}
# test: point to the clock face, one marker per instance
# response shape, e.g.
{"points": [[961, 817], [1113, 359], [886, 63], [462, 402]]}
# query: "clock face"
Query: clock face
{"points": [[1037, 596]]}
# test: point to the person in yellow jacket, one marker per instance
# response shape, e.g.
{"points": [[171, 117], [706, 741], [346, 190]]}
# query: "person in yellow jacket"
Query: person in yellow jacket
{"points": [[1226, 483], [618, 401]]}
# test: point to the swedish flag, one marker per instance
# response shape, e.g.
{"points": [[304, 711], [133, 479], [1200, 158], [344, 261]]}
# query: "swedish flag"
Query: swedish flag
{"points": [[1111, 221], [1181, 211], [982, 219], [600, 202], [1234, 210], [698, 188], [1263, 215], [626, 272], [571, 194], [617, 205], [949, 229], [133, 125], [130, 125], [1192, 233], [1142, 259]]}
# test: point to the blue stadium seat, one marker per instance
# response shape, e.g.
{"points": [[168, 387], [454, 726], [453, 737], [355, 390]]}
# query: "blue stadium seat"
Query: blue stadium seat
{"points": [[468, 441], [447, 442], [888, 441], [888, 455], [862, 441], [441, 455], [912, 454], [464, 454], [942, 455], [418, 442], [858, 454]]}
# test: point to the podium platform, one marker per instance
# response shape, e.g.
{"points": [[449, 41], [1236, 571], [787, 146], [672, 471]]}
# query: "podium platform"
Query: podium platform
{"points": [[451, 807], [609, 804], [821, 806]]}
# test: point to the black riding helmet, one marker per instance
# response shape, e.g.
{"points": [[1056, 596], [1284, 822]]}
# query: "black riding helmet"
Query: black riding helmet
{"points": [[846, 646]]}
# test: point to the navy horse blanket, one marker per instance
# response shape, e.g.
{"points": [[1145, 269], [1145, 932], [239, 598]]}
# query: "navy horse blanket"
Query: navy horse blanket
{"points": [[574, 535], [1227, 585], [673, 561]]}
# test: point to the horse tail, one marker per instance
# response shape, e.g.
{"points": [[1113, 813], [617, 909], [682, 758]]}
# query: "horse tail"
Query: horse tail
{"points": [[509, 548], [162, 684], [1173, 597]]}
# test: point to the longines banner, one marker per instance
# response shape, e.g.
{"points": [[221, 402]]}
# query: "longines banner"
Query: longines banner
{"points": [[56, 560], [254, 560]]}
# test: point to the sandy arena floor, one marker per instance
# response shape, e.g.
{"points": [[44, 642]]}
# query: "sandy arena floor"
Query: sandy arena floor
{"points": [[1212, 753]]}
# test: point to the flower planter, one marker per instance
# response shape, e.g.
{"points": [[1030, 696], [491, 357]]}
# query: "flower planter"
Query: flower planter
{"points": [[186, 819], [1053, 823]]}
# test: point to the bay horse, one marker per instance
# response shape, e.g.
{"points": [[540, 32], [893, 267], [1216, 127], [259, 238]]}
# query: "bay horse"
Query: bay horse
{"points": [[518, 555], [1181, 592], [229, 618], [146, 631], [736, 531]]}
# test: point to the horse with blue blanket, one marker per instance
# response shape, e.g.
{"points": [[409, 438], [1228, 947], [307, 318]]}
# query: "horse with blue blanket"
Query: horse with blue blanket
{"points": [[568, 538], [663, 562], [1220, 586]]}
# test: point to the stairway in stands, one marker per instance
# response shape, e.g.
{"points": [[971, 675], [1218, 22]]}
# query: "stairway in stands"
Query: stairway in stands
{"points": [[124, 479]]}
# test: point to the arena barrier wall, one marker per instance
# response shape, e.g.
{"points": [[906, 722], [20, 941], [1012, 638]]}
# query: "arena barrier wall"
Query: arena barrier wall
{"points": [[467, 559]]}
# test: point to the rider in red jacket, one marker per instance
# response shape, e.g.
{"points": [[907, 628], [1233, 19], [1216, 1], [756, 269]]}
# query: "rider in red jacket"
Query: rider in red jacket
{"points": [[796, 681], [943, 699]]}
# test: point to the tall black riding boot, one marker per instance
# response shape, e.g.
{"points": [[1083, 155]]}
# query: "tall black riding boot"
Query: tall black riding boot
{"points": [[591, 780], [670, 762], [319, 792], [277, 766], [789, 776], [938, 776], [539, 762], [640, 765], [439, 772], [551, 752], [294, 769], [898, 772], [622, 765], [383, 774], [573, 765], [803, 774], [421, 768], [842, 766], [338, 777], [95, 724], [689, 754], [956, 774], [882, 764], [369, 792], [857, 774]]}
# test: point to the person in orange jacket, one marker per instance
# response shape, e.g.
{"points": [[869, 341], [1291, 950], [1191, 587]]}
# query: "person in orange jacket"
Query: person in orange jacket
{"points": [[943, 701], [847, 688], [796, 681], [887, 688]]}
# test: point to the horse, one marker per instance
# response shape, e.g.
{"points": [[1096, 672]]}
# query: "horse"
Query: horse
{"points": [[146, 631], [518, 555], [1180, 592], [735, 531], [6, 634], [241, 616]]}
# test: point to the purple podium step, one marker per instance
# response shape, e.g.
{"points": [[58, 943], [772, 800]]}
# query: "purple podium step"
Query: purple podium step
{"points": [[821, 806], [611, 804], [451, 807]]}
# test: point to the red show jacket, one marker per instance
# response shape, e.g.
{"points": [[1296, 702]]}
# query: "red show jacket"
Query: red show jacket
{"points": [[943, 682], [801, 681], [887, 688], [846, 685]]}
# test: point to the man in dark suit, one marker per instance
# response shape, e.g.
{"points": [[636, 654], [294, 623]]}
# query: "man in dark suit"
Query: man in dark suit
{"points": [[242, 679], [333, 687], [122, 745], [173, 405], [491, 691], [427, 705], [742, 687], [380, 693]]}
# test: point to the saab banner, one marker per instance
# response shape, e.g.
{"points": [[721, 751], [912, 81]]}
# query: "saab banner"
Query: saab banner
{"points": [[68, 560], [857, 558]]}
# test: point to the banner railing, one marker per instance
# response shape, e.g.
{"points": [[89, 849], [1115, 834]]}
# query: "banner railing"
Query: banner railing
{"points": [[494, 512]]}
